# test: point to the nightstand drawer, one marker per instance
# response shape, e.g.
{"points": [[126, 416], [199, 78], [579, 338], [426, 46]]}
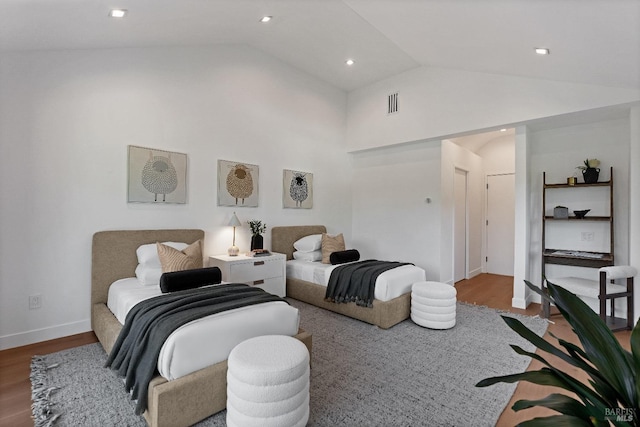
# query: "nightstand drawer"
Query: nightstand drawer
{"points": [[255, 270], [273, 285]]}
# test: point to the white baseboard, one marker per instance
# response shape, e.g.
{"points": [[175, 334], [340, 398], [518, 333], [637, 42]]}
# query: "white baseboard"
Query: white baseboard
{"points": [[474, 273], [44, 334], [534, 298], [519, 303]]}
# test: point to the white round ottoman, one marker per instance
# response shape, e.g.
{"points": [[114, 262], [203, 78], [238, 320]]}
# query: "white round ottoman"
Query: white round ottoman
{"points": [[268, 383], [433, 305]]}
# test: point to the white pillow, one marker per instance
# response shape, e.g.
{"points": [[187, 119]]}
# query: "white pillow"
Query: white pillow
{"points": [[309, 243], [148, 254], [148, 275], [308, 256]]}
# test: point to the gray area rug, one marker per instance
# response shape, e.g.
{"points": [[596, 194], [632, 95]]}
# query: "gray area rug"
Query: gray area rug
{"points": [[362, 375]]}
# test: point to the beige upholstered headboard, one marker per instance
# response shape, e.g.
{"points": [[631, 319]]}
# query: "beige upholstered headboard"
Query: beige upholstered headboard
{"points": [[113, 254], [283, 238]]}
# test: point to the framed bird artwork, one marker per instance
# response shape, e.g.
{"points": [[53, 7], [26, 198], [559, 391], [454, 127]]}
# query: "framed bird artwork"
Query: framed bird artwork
{"points": [[297, 189], [237, 184], [156, 176]]}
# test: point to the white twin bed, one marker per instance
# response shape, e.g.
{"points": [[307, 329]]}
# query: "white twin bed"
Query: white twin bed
{"points": [[307, 281], [389, 285], [209, 340], [192, 384]]}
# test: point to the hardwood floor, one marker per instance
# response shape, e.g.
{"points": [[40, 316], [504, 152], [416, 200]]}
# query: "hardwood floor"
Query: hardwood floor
{"points": [[486, 289], [15, 386]]}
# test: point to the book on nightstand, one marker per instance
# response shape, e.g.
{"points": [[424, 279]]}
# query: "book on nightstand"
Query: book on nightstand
{"points": [[258, 253]]}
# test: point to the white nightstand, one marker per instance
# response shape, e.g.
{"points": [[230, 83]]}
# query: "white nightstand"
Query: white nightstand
{"points": [[266, 272]]}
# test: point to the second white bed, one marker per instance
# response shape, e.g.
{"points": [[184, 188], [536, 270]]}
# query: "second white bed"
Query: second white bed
{"points": [[209, 340], [389, 285]]}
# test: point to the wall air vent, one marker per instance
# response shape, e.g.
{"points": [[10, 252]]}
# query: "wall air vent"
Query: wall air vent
{"points": [[392, 103]]}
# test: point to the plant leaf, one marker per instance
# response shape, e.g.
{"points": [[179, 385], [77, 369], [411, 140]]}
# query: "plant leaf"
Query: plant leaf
{"points": [[599, 343], [531, 336], [539, 342], [597, 381], [543, 376], [558, 402]]}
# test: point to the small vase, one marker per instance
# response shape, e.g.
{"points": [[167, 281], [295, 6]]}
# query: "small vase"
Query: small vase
{"points": [[257, 242], [590, 175]]}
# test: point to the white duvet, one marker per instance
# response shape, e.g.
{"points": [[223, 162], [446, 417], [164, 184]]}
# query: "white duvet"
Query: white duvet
{"points": [[389, 285], [209, 340]]}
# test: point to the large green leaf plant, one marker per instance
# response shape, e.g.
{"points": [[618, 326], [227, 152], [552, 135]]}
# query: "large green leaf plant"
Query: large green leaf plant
{"points": [[610, 398]]}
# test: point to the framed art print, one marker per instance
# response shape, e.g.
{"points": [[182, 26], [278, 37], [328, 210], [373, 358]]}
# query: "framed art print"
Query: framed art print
{"points": [[297, 189], [237, 184], [156, 176]]}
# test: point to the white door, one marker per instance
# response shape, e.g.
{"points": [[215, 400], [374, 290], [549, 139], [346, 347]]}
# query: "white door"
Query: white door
{"points": [[460, 226], [500, 223]]}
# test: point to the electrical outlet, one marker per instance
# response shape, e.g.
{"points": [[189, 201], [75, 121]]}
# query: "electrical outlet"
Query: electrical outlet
{"points": [[587, 236], [35, 301]]}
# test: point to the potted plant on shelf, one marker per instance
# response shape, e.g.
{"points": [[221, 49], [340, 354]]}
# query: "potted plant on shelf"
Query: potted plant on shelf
{"points": [[590, 170], [612, 395], [257, 229]]}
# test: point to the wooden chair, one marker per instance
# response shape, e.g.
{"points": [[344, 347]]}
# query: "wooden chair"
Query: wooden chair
{"points": [[604, 290], [607, 276]]}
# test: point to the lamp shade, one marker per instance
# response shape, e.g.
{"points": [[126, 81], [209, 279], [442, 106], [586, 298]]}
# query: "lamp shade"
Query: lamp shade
{"points": [[234, 221]]}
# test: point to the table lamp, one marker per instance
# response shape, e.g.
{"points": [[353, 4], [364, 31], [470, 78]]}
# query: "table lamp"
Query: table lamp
{"points": [[234, 222]]}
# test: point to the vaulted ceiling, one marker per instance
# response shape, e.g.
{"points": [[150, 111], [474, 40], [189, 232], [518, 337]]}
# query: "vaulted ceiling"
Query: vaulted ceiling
{"points": [[591, 41]]}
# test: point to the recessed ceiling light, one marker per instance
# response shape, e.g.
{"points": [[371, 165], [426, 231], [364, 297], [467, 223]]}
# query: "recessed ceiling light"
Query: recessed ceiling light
{"points": [[349, 61], [503, 130], [266, 19], [542, 51], [117, 13]]}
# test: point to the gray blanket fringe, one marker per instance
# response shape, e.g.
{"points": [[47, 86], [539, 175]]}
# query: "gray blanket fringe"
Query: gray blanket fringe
{"points": [[42, 406]]}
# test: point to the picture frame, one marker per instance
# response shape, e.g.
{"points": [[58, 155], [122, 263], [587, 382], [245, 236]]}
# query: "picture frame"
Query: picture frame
{"points": [[238, 184], [297, 189], [156, 176]]}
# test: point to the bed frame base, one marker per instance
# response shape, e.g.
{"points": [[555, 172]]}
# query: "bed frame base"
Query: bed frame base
{"points": [[384, 314]]}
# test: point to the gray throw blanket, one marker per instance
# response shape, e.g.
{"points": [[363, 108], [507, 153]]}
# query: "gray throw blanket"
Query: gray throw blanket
{"points": [[355, 282], [149, 323]]}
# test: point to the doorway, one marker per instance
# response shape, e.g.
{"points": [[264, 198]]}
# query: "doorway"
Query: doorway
{"points": [[500, 224]]}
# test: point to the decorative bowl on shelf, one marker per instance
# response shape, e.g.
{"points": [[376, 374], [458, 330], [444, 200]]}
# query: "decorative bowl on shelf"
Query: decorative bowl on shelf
{"points": [[581, 214]]}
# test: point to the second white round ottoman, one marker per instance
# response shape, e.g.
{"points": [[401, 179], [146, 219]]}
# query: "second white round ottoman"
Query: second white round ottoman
{"points": [[268, 383], [433, 305]]}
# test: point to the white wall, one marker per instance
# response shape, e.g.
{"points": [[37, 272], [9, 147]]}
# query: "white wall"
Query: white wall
{"points": [[66, 118], [524, 251], [498, 155], [437, 102], [391, 217]]}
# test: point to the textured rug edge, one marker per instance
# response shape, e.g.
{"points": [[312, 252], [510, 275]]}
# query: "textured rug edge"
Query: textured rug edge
{"points": [[42, 405], [511, 313], [518, 316]]}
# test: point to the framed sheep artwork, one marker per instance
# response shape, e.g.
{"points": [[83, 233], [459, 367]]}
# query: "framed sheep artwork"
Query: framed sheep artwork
{"points": [[297, 189], [156, 176], [237, 184]]}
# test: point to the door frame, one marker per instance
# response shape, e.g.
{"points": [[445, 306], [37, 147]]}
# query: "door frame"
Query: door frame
{"points": [[466, 224]]}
